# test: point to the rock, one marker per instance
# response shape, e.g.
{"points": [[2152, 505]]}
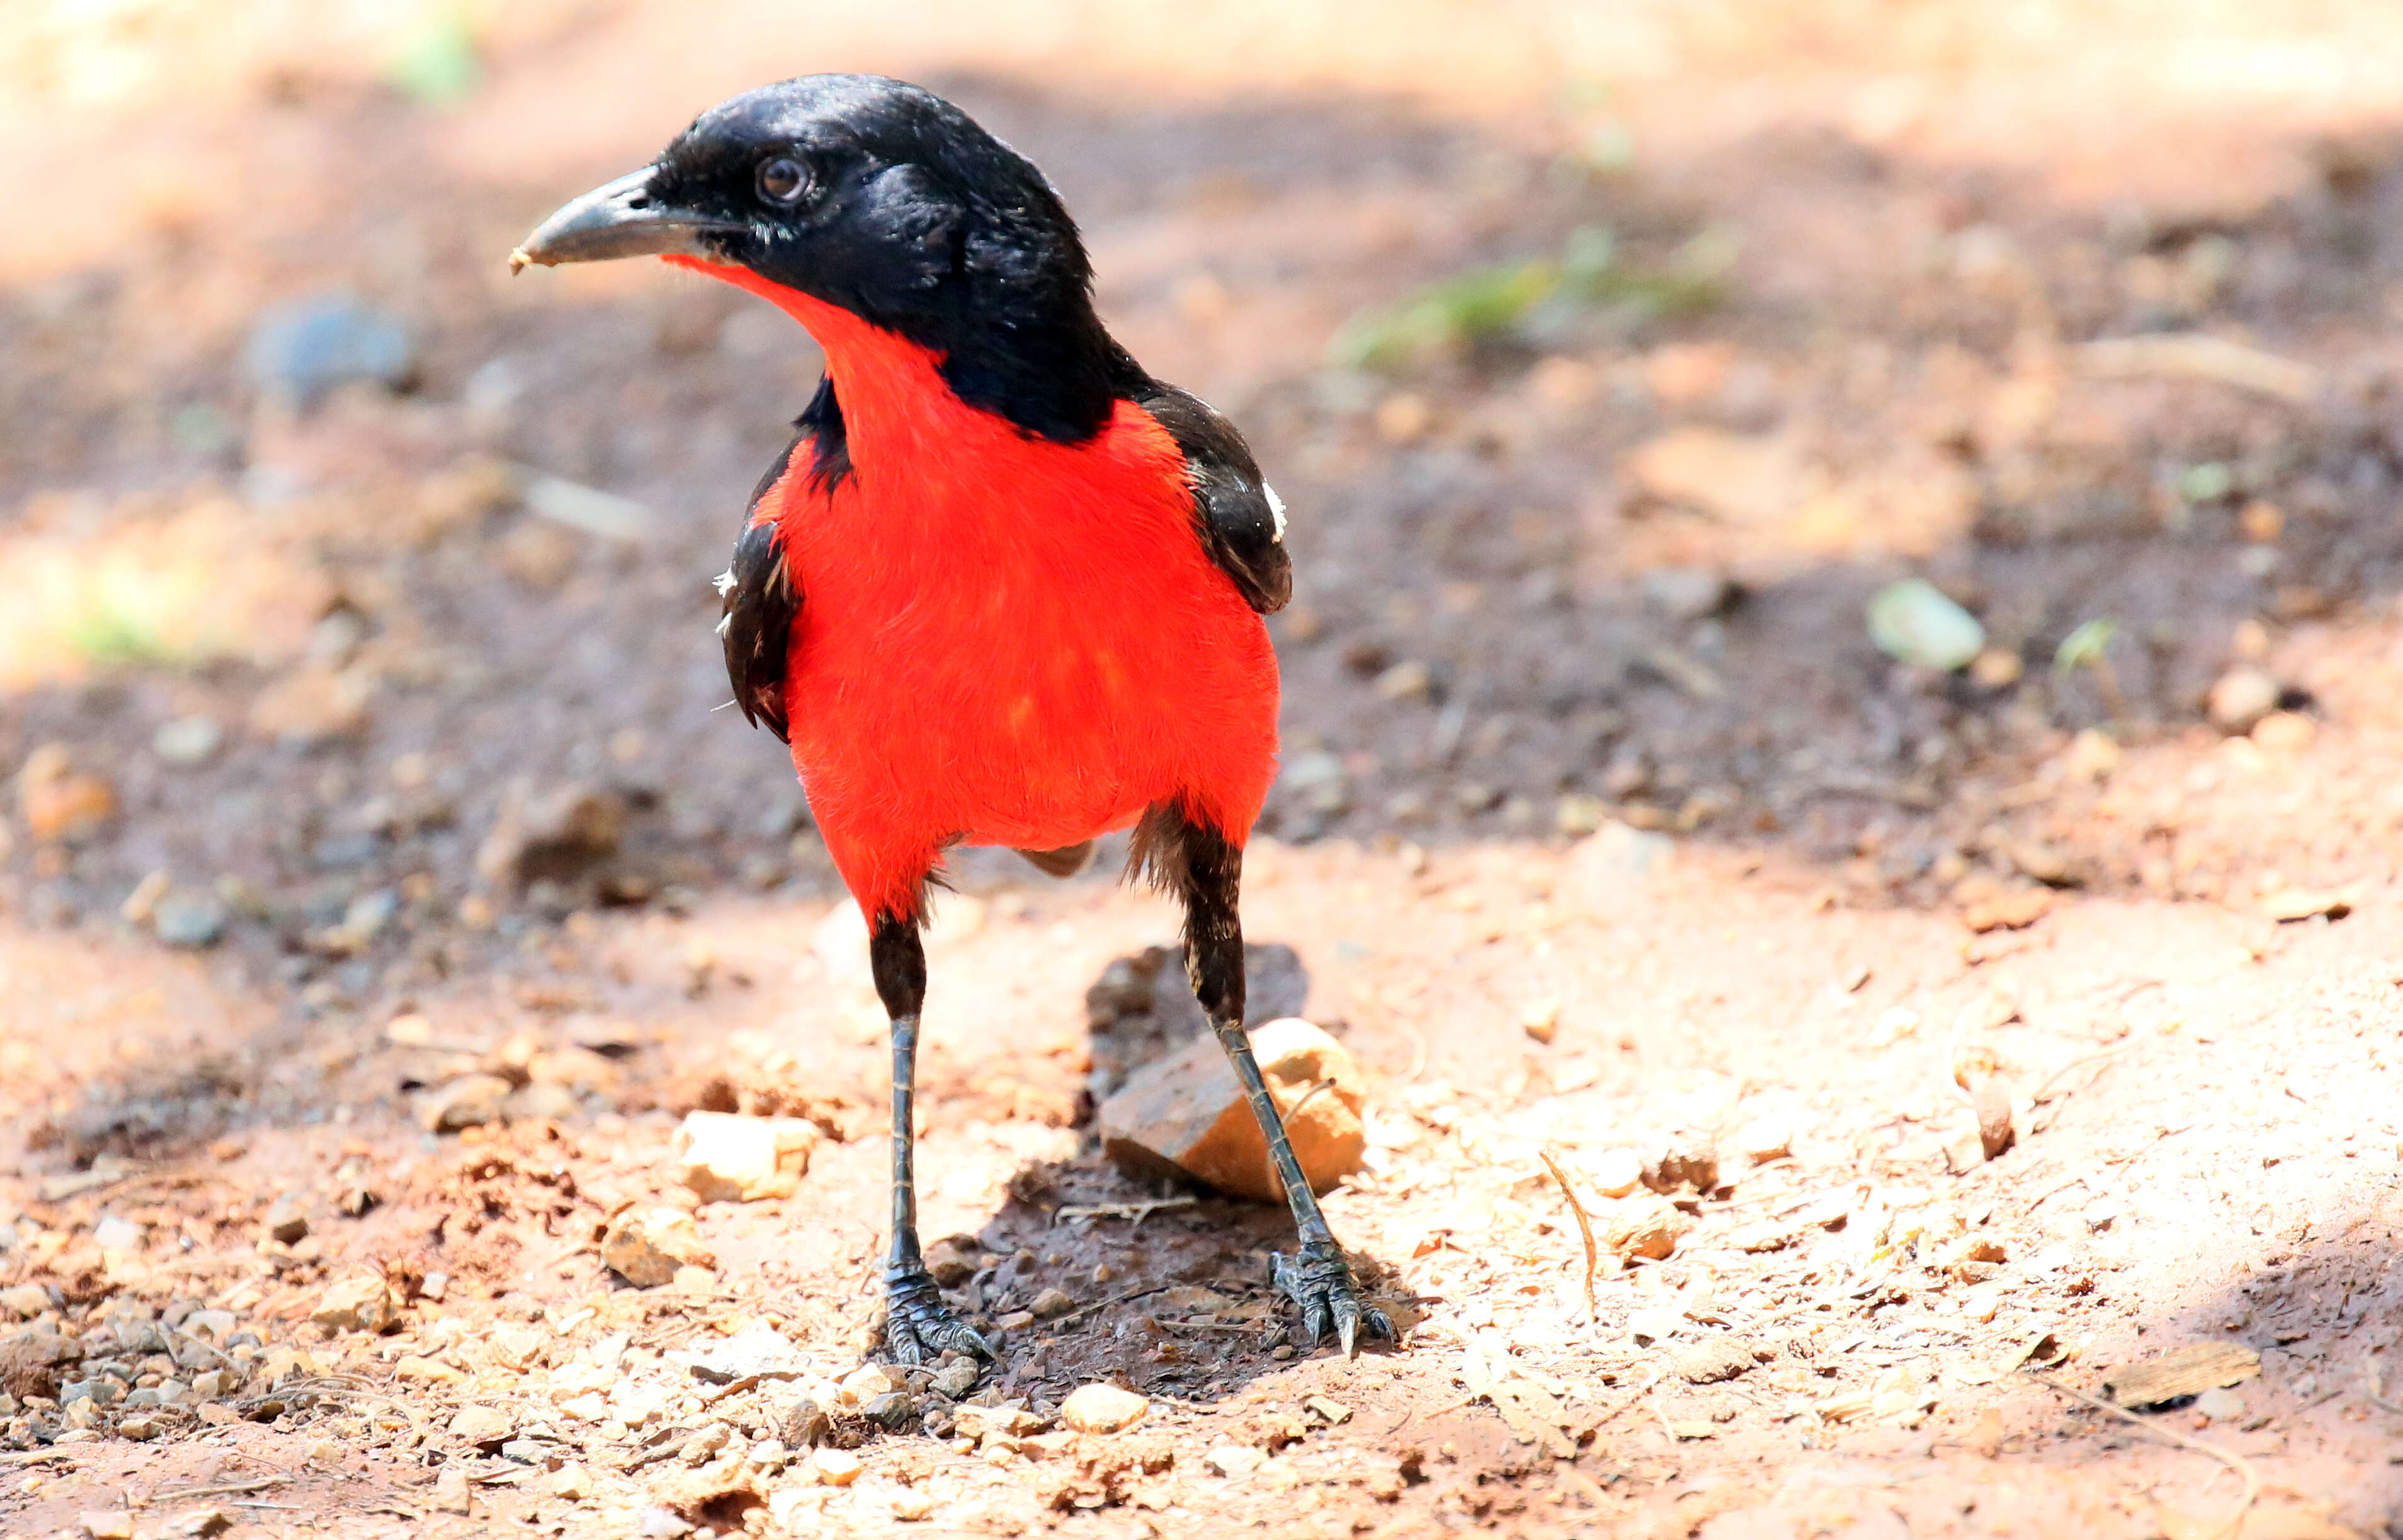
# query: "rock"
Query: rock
{"points": [[1996, 668], [1103, 1409], [1615, 1173], [2240, 698], [910, 1506], [1405, 681], [731, 1158], [646, 1246], [694, 1280], [30, 1363], [555, 836], [1647, 1227], [1914, 622], [1767, 1137], [893, 1410], [114, 1232], [487, 1427], [2183, 1371], [2285, 732], [192, 921], [1687, 593], [956, 1380], [865, 1384], [2016, 910], [314, 704], [2289, 905], [1541, 1021], [1319, 780], [187, 740], [1234, 1460], [1686, 1159], [759, 1352], [465, 1103], [953, 1261], [657, 1523], [200, 1524], [572, 1483], [450, 1490], [2221, 1404], [1992, 1099], [1185, 1114], [1052, 1304], [355, 1304], [835, 1467], [107, 1525], [287, 1220], [1712, 1360], [61, 804], [300, 349], [24, 1301]]}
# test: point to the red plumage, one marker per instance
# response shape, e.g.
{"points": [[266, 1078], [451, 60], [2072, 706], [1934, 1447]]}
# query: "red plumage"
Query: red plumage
{"points": [[1002, 639]]}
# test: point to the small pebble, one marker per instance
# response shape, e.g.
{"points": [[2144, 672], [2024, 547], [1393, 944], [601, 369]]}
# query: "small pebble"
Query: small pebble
{"points": [[836, 1467], [1103, 1409], [1052, 1303]]}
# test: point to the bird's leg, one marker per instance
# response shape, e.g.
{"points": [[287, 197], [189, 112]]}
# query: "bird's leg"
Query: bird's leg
{"points": [[918, 1325], [1317, 1279]]}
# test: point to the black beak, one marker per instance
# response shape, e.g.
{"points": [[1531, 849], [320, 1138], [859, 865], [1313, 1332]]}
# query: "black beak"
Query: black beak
{"points": [[620, 219]]}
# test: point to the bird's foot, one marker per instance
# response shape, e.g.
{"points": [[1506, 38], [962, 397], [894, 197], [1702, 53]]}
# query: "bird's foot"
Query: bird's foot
{"points": [[919, 1328], [1319, 1280]]}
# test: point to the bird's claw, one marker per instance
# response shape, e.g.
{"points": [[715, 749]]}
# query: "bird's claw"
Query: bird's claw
{"points": [[1319, 1280], [919, 1328]]}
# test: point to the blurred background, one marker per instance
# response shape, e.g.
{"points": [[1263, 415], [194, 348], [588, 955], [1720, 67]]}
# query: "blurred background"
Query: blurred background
{"points": [[1613, 357], [1909, 461]]}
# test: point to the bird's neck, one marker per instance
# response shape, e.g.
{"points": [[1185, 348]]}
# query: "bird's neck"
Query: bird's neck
{"points": [[897, 405]]}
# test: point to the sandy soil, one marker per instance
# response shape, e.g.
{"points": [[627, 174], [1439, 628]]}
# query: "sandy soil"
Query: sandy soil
{"points": [[1603, 823]]}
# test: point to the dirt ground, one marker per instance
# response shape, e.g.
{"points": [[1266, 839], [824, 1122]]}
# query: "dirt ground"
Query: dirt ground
{"points": [[382, 880]]}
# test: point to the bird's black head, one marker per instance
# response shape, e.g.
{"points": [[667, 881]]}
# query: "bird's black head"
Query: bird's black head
{"points": [[886, 200]]}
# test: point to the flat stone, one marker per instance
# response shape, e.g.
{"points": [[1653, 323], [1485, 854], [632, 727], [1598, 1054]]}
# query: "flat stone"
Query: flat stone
{"points": [[1687, 1159], [759, 1352], [2240, 698], [646, 1247], [452, 1494], [1648, 1227], [1234, 1460], [1712, 1360], [356, 1304], [1103, 1409], [1185, 1114], [107, 1525], [191, 921], [730, 1157], [485, 1426], [469, 1101]]}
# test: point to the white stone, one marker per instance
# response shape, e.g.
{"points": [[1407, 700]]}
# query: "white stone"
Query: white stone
{"points": [[726, 1157]]}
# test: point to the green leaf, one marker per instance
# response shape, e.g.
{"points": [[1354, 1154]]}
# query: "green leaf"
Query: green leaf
{"points": [[2083, 648]]}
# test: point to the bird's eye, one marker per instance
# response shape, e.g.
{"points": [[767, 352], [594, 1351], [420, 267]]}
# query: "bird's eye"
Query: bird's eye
{"points": [[782, 180]]}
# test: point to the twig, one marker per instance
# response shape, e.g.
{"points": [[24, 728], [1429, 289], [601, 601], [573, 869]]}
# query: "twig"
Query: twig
{"points": [[34, 1457], [2073, 1066], [1058, 1321], [227, 1488], [2237, 1462], [1585, 1227], [1136, 1212]]}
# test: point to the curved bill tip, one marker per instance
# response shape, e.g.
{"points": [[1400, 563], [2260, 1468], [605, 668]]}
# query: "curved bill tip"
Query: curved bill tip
{"points": [[621, 218]]}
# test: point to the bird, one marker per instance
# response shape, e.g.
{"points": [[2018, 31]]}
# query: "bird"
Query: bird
{"points": [[1003, 588]]}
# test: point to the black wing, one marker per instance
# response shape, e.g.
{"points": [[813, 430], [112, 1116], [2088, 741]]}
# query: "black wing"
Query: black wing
{"points": [[761, 603], [1238, 517]]}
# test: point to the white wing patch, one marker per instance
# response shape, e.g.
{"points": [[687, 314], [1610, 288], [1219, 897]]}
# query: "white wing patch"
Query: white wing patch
{"points": [[1276, 509]]}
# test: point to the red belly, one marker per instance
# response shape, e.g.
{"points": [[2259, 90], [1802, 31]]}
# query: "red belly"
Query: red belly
{"points": [[1002, 640], [1028, 664]]}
